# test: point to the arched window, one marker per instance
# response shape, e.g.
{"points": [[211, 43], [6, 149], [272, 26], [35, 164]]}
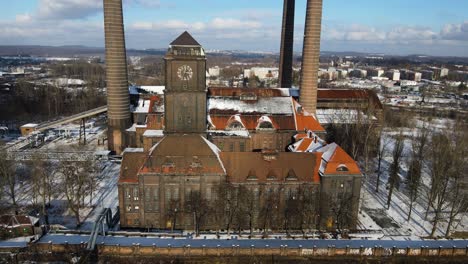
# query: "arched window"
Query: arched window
{"points": [[342, 168], [266, 125], [235, 125]]}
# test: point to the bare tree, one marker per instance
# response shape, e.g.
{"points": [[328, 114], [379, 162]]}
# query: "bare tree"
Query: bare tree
{"points": [[457, 197], [394, 178], [75, 177], [340, 208], [247, 208], [41, 183], [226, 205], [441, 165], [269, 209], [308, 207], [173, 209], [8, 179], [382, 151], [292, 217], [199, 207], [413, 181]]}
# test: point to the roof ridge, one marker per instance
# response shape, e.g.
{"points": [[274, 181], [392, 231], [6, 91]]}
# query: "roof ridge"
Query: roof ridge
{"points": [[185, 39]]}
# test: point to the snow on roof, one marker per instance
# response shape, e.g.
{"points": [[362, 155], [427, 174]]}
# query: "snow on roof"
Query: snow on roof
{"points": [[328, 151], [216, 151], [340, 116], [284, 91], [132, 128], [134, 150], [210, 122], [30, 125], [229, 133], [143, 106], [153, 89], [153, 133], [266, 105], [264, 119], [102, 153], [308, 144]]}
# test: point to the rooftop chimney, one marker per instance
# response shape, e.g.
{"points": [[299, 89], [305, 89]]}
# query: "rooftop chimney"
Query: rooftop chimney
{"points": [[311, 55], [287, 42], [118, 101]]}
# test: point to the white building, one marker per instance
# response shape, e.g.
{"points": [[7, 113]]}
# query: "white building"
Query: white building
{"points": [[262, 73], [393, 75], [214, 71]]}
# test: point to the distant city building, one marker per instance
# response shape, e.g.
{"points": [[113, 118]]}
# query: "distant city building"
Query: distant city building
{"points": [[393, 75], [262, 73], [439, 73], [214, 71], [411, 75], [358, 73], [375, 72], [427, 75]]}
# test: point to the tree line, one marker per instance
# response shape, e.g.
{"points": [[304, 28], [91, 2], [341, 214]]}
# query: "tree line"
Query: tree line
{"points": [[239, 207], [438, 155], [44, 181]]}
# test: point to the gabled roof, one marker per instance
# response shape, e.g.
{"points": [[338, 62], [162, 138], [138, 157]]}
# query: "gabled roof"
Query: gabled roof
{"points": [[185, 39], [183, 155], [333, 158]]}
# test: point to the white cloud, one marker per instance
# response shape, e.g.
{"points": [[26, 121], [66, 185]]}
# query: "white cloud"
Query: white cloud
{"points": [[23, 18], [68, 9], [455, 32], [231, 23]]}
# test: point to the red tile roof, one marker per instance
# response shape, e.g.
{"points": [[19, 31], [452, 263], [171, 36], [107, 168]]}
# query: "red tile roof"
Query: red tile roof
{"points": [[306, 121], [341, 158]]}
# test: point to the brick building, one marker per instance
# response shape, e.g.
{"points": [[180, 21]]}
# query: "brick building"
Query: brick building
{"points": [[195, 139]]}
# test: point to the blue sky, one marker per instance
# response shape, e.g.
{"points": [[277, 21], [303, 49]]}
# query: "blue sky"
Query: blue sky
{"points": [[434, 27]]}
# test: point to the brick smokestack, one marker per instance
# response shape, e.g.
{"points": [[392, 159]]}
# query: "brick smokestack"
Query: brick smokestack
{"points": [[118, 100], [311, 55], [287, 42]]}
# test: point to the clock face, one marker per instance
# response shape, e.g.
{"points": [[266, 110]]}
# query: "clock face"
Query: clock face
{"points": [[185, 73]]}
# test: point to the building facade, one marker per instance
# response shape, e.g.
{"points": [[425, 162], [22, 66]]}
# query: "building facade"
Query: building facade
{"points": [[196, 141]]}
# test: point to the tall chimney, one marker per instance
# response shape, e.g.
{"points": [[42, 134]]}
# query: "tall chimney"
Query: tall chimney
{"points": [[287, 42], [311, 55], [118, 100]]}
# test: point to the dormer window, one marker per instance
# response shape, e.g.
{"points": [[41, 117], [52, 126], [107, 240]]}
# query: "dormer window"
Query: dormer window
{"points": [[291, 175], [342, 168], [235, 123], [235, 126], [265, 123], [196, 163], [168, 166], [252, 176], [271, 175]]}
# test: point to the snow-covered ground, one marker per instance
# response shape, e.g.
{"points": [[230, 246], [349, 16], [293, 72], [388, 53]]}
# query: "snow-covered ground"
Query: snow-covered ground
{"points": [[393, 222], [107, 195]]}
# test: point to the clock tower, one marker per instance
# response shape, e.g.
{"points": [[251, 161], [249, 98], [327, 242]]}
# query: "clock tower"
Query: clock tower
{"points": [[185, 93]]}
